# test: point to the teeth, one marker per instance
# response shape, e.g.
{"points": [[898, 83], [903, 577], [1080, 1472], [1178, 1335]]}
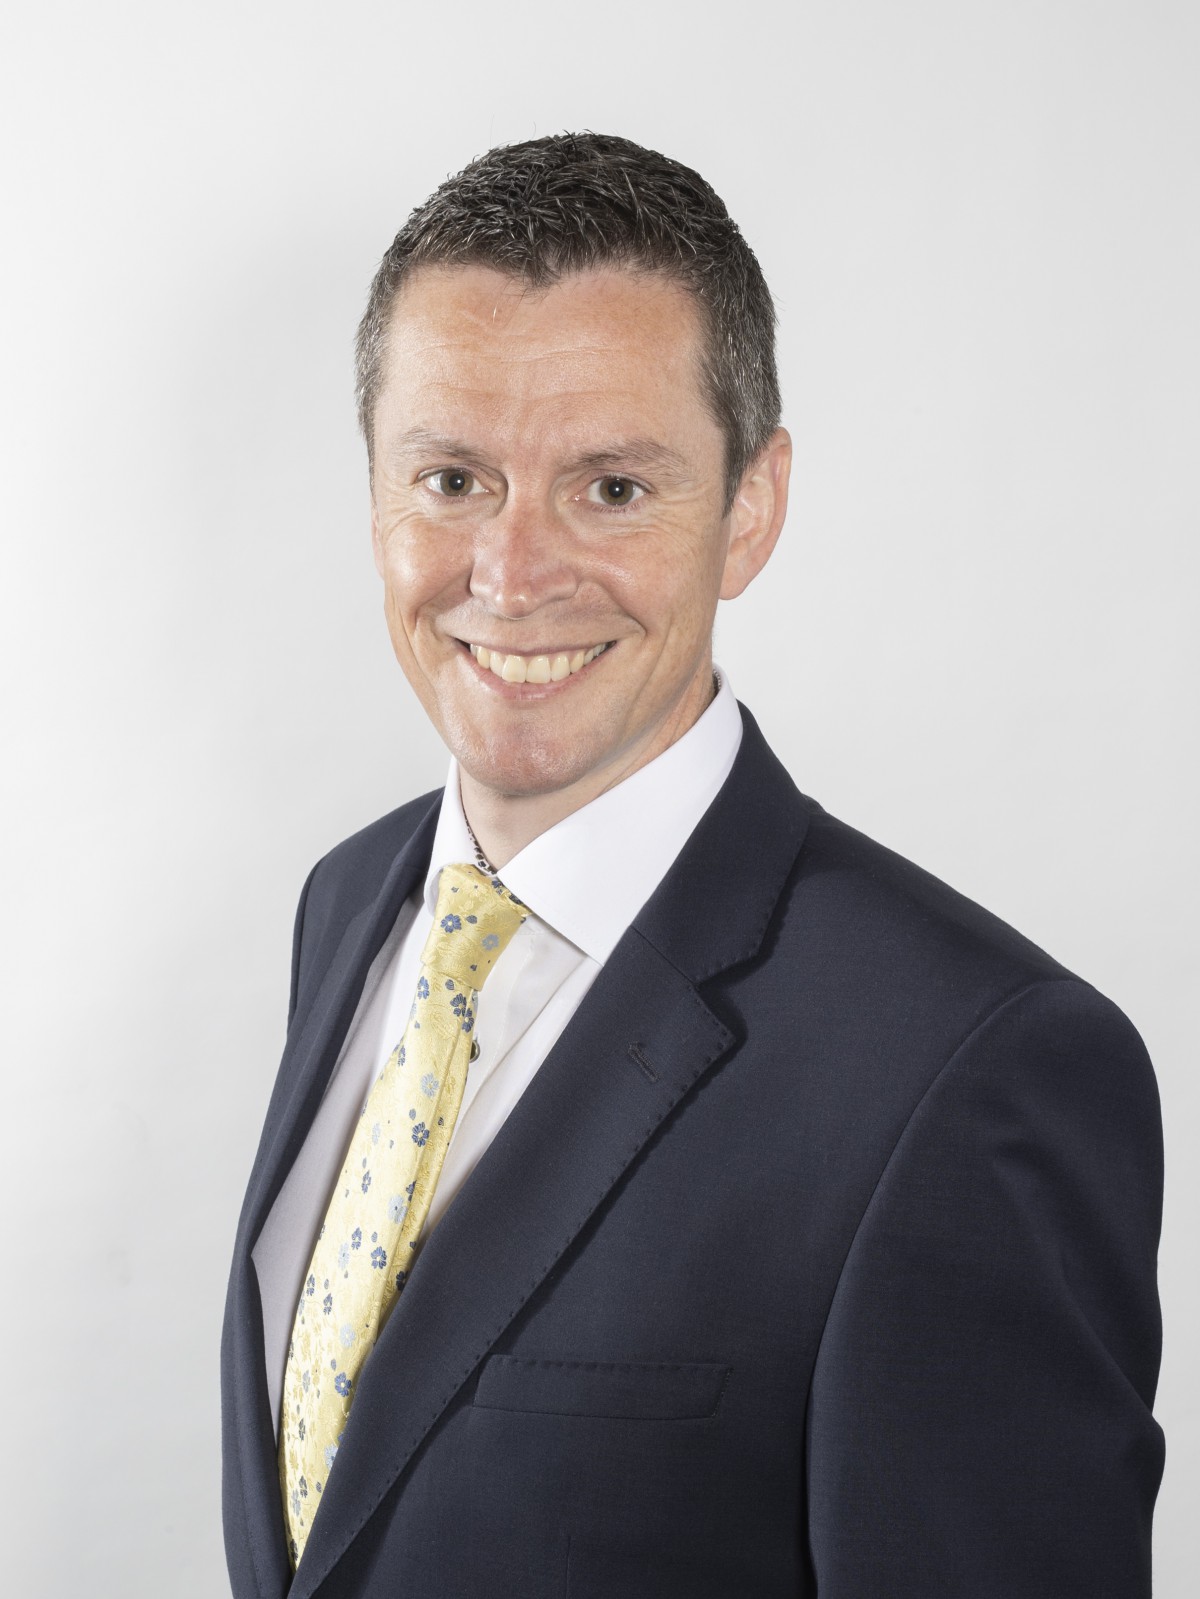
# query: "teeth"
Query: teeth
{"points": [[534, 668]]}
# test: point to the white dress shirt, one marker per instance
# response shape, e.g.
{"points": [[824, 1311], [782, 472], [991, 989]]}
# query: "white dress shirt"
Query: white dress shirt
{"points": [[584, 880]]}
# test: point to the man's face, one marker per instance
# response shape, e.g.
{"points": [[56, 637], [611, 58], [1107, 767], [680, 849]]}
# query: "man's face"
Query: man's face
{"points": [[547, 514]]}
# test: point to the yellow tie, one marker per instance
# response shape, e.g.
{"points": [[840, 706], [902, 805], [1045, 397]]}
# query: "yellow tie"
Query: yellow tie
{"points": [[368, 1241]]}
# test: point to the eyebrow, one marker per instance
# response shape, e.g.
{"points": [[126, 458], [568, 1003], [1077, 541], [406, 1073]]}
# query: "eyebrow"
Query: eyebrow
{"points": [[415, 440], [646, 453], [643, 452]]}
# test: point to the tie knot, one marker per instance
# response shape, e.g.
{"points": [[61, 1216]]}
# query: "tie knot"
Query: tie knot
{"points": [[475, 920]]}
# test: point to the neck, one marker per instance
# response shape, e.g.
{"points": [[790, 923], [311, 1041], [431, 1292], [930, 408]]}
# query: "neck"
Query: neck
{"points": [[503, 824]]}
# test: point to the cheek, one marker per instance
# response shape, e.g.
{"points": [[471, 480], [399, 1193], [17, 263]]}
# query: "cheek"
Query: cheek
{"points": [[671, 587], [422, 568]]}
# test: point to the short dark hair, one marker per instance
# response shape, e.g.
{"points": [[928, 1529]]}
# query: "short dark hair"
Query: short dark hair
{"points": [[570, 202]]}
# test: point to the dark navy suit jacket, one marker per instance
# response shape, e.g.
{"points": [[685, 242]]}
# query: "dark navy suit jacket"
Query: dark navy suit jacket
{"points": [[818, 1258]]}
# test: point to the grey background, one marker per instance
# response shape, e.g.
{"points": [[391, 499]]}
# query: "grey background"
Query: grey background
{"points": [[977, 640]]}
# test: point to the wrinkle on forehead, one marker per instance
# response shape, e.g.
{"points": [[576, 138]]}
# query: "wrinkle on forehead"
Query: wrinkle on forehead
{"points": [[493, 302]]}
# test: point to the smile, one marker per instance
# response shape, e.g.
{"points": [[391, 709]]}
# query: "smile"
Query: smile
{"points": [[551, 668]]}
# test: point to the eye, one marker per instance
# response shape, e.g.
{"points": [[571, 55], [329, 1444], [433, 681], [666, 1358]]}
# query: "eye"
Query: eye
{"points": [[454, 482], [614, 491]]}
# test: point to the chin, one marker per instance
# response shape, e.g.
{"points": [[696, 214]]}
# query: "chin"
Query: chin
{"points": [[520, 768]]}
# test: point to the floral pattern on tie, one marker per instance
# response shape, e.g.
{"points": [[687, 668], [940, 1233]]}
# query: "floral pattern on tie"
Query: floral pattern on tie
{"points": [[385, 1188]]}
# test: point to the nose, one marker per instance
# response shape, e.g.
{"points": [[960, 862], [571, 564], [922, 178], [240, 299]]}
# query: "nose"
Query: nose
{"points": [[524, 559]]}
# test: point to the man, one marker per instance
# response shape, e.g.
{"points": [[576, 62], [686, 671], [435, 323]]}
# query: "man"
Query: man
{"points": [[705, 1201]]}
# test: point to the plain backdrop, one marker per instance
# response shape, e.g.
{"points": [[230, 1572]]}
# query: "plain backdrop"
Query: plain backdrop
{"points": [[977, 640]]}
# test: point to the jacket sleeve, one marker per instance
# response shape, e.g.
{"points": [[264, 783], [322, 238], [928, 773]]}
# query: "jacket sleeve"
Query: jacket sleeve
{"points": [[980, 1418]]}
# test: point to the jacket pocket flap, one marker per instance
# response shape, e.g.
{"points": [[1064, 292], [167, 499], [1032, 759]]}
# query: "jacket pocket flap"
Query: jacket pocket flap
{"points": [[632, 1390]]}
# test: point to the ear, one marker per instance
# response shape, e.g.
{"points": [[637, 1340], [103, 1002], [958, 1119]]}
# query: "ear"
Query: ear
{"points": [[757, 514]]}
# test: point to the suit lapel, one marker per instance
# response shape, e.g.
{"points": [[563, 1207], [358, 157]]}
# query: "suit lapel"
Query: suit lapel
{"points": [[308, 1061], [309, 1057], [643, 1038]]}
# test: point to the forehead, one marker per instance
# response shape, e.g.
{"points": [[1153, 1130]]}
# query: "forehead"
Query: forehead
{"points": [[596, 348]]}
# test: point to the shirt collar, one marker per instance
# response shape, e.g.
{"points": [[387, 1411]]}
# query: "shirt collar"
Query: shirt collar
{"points": [[590, 874]]}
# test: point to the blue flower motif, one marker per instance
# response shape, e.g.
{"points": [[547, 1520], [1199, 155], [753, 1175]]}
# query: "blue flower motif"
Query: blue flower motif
{"points": [[301, 1430], [376, 1130], [327, 1303], [379, 1258], [422, 988], [401, 1279], [310, 1286], [305, 1380], [347, 1335], [450, 984], [403, 1054], [295, 1502], [342, 1383], [490, 940], [366, 1182], [343, 1256], [459, 1004], [303, 1488], [420, 1135], [429, 1085], [468, 1021], [408, 1192], [451, 923], [397, 1208], [330, 1451], [356, 1238]]}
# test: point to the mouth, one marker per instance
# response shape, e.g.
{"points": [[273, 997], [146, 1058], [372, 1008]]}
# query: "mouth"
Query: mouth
{"points": [[552, 667]]}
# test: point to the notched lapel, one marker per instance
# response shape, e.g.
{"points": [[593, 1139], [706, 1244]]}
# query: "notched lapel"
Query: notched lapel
{"points": [[639, 1043]]}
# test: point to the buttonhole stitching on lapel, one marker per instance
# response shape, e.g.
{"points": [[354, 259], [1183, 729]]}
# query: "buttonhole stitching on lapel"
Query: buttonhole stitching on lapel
{"points": [[638, 1058]]}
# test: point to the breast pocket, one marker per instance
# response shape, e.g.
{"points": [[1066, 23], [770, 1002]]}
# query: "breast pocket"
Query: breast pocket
{"points": [[620, 1390]]}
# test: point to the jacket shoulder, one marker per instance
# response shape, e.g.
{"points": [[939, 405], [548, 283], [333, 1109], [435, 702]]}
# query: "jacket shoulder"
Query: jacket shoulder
{"points": [[890, 910]]}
